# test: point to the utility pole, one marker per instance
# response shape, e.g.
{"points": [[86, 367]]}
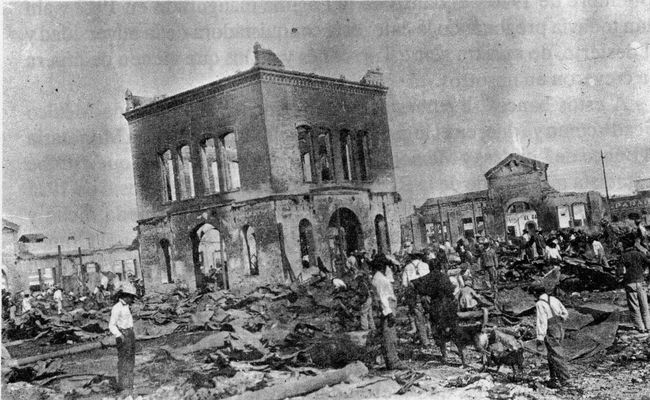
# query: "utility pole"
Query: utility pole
{"points": [[602, 159]]}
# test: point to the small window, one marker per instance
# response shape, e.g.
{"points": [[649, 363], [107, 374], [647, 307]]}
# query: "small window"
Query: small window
{"points": [[186, 172], [306, 236], [579, 214], [167, 170], [167, 256], [230, 161], [363, 155], [305, 147], [324, 153], [210, 166], [346, 154]]}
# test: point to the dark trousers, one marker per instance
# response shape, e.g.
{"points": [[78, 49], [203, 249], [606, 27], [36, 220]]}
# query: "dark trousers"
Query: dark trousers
{"points": [[389, 344], [416, 311], [557, 363], [125, 359]]}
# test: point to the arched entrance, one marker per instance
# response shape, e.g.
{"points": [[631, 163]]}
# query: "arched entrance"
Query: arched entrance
{"points": [[345, 235], [520, 216], [209, 256]]}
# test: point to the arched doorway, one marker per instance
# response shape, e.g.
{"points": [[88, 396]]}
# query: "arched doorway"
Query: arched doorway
{"points": [[520, 216], [345, 235], [209, 256], [381, 231]]}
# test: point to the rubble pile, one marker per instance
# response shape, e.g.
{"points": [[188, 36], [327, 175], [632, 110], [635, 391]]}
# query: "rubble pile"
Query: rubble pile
{"points": [[218, 344]]}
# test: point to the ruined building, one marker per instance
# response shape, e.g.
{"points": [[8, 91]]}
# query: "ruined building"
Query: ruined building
{"points": [[518, 197], [241, 179]]}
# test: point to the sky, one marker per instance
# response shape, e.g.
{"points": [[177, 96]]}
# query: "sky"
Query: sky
{"points": [[469, 83]]}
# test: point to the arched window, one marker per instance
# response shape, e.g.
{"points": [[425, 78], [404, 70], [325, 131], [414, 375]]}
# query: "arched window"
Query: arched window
{"points": [[363, 154], [518, 207], [210, 166], [306, 234], [381, 232], [167, 256], [250, 249], [324, 154], [579, 214], [346, 154], [167, 171], [186, 172], [230, 161], [305, 148]]}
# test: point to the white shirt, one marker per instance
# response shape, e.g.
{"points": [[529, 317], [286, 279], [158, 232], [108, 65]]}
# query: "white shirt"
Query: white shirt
{"points": [[544, 313], [414, 270], [58, 295], [385, 293], [599, 250], [27, 304], [121, 318], [552, 253]]}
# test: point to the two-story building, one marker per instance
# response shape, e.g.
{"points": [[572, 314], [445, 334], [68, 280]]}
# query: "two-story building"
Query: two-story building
{"points": [[248, 175]]}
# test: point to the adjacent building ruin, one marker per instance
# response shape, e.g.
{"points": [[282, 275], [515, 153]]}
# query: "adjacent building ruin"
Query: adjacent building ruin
{"points": [[243, 178], [518, 197]]}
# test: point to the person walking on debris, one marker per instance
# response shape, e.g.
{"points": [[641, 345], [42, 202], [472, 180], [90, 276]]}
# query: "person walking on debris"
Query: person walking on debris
{"points": [[364, 292], [121, 326], [27, 303], [489, 262], [599, 252], [551, 315], [414, 270], [442, 307], [388, 303], [552, 252], [58, 300], [633, 264]]}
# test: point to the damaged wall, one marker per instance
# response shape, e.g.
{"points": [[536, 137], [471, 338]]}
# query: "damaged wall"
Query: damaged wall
{"points": [[306, 146]]}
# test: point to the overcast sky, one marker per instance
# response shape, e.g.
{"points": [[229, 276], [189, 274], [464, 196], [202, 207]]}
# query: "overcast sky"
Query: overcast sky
{"points": [[469, 83]]}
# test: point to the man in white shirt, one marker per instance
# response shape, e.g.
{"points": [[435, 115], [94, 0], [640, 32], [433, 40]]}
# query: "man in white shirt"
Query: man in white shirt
{"points": [[27, 303], [551, 315], [599, 252], [58, 299], [414, 270], [121, 326], [388, 304]]}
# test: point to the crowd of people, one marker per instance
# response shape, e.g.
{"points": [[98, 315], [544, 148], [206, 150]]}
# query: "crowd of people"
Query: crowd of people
{"points": [[435, 284]]}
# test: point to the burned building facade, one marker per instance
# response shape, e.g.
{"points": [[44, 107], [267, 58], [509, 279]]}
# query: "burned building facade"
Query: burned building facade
{"points": [[518, 197], [243, 178], [632, 207]]}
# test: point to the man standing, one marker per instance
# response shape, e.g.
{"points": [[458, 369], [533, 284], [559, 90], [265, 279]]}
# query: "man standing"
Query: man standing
{"points": [[121, 326], [413, 271], [58, 299], [489, 262], [388, 303], [364, 294], [551, 315], [599, 252], [635, 263]]}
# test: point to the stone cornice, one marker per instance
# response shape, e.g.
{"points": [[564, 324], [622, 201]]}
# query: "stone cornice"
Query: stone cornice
{"points": [[255, 74]]}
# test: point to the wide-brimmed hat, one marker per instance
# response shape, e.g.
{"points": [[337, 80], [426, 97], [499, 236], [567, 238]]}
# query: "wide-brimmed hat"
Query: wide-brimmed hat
{"points": [[128, 288]]}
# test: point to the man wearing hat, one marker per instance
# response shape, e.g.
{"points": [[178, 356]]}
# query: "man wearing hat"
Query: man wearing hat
{"points": [[415, 269], [121, 326], [388, 302]]}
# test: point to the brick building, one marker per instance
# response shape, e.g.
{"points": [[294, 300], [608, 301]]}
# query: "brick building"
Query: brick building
{"points": [[248, 175], [518, 196]]}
